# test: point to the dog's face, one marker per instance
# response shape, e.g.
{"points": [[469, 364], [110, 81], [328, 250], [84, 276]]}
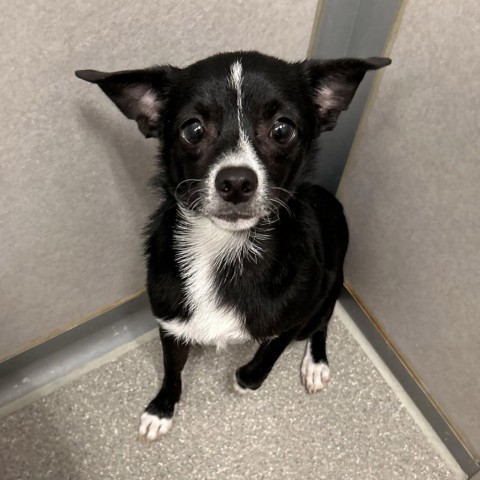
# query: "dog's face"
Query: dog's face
{"points": [[235, 128]]}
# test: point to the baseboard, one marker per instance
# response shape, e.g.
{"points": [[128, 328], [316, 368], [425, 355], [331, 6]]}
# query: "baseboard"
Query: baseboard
{"points": [[56, 358]]}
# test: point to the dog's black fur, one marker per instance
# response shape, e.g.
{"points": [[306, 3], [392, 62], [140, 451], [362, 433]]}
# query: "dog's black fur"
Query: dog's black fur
{"points": [[288, 289]]}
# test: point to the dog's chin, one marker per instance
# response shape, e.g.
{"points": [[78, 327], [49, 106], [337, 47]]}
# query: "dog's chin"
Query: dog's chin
{"points": [[234, 223]]}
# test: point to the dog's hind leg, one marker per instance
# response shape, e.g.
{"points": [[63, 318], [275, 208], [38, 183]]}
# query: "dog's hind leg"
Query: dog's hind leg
{"points": [[252, 375], [157, 418]]}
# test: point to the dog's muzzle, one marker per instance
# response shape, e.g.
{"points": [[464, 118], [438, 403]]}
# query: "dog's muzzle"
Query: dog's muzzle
{"points": [[235, 206]]}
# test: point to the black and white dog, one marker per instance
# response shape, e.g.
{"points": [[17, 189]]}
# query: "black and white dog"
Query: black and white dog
{"points": [[243, 247]]}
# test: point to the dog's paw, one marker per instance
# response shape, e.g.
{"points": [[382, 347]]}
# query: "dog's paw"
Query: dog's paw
{"points": [[315, 376], [238, 388], [153, 427], [247, 379]]}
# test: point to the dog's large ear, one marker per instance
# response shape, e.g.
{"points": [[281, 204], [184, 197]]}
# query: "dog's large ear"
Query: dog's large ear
{"points": [[334, 83], [139, 94]]}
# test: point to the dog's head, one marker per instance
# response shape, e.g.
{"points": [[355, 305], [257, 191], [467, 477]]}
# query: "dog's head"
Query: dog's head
{"points": [[235, 128]]}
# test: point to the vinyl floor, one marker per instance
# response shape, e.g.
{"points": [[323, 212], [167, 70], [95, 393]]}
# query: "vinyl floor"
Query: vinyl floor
{"points": [[356, 429]]}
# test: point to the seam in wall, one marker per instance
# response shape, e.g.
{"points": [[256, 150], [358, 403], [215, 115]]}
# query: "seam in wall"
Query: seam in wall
{"points": [[316, 23], [372, 94]]}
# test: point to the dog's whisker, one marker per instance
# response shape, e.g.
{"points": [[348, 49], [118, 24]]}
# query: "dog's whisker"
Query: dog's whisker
{"points": [[281, 204], [194, 192], [289, 193], [189, 181], [191, 193], [274, 213], [197, 204]]}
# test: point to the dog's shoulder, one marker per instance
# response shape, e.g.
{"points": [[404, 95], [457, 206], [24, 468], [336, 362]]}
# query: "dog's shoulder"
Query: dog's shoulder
{"points": [[159, 229], [325, 219], [320, 200]]}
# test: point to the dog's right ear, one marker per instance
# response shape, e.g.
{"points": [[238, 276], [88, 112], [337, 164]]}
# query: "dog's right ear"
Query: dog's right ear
{"points": [[139, 94]]}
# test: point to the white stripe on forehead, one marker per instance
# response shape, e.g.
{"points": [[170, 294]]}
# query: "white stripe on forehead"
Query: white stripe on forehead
{"points": [[236, 72], [236, 78]]}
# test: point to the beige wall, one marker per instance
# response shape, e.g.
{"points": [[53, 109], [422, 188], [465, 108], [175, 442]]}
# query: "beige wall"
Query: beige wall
{"points": [[74, 172], [412, 197]]}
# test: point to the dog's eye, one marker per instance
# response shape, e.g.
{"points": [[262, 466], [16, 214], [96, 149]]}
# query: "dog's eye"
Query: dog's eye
{"points": [[192, 131], [283, 131]]}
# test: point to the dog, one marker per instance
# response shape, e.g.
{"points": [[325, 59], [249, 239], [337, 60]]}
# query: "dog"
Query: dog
{"points": [[244, 246]]}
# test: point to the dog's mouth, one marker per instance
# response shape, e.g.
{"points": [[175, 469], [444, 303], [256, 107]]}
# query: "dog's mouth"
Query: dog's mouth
{"points": [[224, 216], [234, 221], [194, 196], [233, 217]]}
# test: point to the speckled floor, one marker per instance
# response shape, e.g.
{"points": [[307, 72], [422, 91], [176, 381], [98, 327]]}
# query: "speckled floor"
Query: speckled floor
{"points": [[356, 429]]}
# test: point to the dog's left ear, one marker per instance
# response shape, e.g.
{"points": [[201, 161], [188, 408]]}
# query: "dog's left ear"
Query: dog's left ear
{"points": [[334, 83], [139, 94]]}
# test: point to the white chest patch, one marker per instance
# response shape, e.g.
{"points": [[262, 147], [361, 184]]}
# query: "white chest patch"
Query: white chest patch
{"points": [[201, 247]]}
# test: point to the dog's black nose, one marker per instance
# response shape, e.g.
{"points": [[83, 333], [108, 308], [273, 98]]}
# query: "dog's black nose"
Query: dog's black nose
{"points": [[236, 184]]}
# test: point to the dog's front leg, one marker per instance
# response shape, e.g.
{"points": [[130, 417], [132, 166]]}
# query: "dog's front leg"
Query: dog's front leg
{"points": [[157, 418], [252, 375]]}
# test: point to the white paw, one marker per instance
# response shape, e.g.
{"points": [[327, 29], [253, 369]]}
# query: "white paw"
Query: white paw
{"points": [[153, 427], [315, 376]]}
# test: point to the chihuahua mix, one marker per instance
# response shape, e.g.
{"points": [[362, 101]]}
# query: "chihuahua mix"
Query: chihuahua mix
{"points": [[244, 246]]}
